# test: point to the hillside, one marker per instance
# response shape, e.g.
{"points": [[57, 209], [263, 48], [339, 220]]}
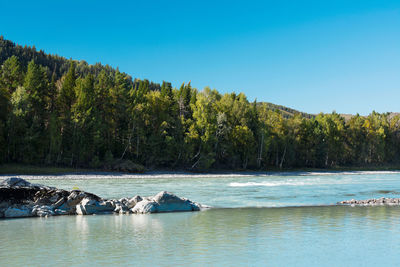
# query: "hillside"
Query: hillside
{"points": [[59, 65], [67, 113], [286, 112], [390, 115]]}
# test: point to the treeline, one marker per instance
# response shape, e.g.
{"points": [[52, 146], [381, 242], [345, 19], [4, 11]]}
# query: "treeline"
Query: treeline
{"points": [[56, 111]]}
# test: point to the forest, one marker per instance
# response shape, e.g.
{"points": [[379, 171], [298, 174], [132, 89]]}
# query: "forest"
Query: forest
{"points": [[62, 112]]}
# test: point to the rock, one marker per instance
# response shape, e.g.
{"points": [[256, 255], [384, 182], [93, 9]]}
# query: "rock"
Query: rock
{"points": [[121, 208], [165, 202], [90, 206], [123, 200], [371, 202], [59, 202], [15, 181], [19, 198], [4, 204], [53, 199], [117, 208], [17, 194], [171, 202], [15, 212], [133, 201], [43, 211], [145, 206], [75, 197]]}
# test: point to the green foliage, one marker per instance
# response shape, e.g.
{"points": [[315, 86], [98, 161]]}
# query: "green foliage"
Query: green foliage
{"points": [[10, 74], [95, 116], [4, 113], [36, 86]]}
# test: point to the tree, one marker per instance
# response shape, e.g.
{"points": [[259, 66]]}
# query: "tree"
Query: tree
{"points": [[243, 142], [65, 101], [202, 133], [333, 127], [11, 74], [4, 113], [166, 90], [18, 126], [36, 85], [85, 120]]}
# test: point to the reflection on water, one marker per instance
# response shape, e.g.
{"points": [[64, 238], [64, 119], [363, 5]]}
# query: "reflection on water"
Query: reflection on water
{"points": [[345, 236]]}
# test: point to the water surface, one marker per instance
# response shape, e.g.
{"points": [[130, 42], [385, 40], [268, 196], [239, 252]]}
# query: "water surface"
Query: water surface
{"points": [[233, 192], [253, 225]]}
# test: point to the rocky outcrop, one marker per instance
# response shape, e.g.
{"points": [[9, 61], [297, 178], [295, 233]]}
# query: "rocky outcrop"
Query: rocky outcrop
{"points": [[17, 211], [165, 202], [19, 198], [371, 202], [90, 206]]}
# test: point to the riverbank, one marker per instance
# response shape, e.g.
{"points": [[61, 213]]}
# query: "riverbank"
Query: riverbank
{"points": [[22, 169]]}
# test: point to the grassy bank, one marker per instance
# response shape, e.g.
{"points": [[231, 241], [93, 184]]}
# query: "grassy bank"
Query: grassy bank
{"points": [[23, 169]]}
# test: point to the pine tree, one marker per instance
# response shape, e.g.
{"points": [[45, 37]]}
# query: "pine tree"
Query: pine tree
{"points": [[67, 94], [36, 85], [66, 99], [10, 74], [166, 89], [4, 113]]}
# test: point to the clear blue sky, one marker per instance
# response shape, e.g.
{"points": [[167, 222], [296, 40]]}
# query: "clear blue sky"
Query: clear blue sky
{"points": [[314, 56]]}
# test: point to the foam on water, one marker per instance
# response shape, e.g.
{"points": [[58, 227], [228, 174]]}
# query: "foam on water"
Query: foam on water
{"points": [[294, 182], [171, 175], [348, 173]]}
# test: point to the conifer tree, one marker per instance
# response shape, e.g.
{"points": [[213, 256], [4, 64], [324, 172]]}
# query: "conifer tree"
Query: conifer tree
{"points": [[66, 99], [11, 74], [36, 85]]}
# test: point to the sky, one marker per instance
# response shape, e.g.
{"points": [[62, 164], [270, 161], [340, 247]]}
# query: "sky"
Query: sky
{"points": [[313, 56]]}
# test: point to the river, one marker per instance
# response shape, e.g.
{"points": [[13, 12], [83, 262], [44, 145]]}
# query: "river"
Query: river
{"points": [[270, 220]]}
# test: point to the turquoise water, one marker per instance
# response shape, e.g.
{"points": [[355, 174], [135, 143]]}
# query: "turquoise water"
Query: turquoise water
{"points": [[254, 224], [234, 192]]}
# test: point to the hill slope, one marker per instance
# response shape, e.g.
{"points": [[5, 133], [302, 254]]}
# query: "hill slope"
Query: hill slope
{"points": [[63, 112]]}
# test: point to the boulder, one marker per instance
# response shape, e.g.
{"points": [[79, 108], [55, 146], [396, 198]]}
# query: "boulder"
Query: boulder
{"points": [[165, 202], [133, 201], [15, 212], [170, 202], [15, 181], [123, 200], [91, 206], [43, 211], [145, 206], [4, 204], [121, 208]]}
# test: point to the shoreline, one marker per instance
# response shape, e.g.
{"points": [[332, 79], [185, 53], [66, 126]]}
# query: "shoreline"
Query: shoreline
{"points": [[44, 172], [92, 174]]}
